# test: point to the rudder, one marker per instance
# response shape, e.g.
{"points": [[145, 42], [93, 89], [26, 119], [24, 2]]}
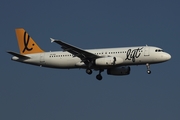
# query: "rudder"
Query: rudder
{"points": [[26, 44]]}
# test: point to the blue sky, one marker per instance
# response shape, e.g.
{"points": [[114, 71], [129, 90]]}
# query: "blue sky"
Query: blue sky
{"points": [[36, 93]]}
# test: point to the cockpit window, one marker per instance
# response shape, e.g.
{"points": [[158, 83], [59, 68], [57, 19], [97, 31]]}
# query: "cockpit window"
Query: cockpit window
{"points": [[158, 50]]}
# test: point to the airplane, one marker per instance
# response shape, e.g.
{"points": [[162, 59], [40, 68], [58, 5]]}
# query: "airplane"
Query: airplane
{"points": [[116, 61]]}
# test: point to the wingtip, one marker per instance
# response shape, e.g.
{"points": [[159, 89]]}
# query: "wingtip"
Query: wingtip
{"points": [[52, 40]]}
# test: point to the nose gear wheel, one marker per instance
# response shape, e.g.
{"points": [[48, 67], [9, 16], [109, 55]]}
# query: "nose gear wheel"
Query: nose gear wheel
{"points": [[148, 68]]}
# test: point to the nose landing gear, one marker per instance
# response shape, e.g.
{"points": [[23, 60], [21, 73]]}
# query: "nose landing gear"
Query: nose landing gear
{"points": [[148, 68]]}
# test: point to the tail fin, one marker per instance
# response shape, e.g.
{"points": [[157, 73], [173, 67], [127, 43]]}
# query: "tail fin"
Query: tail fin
{"points": [[26, 44]]}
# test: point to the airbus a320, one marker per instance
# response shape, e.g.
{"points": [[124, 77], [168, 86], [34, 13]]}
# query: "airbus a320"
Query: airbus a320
{"points": [[116, 61]]}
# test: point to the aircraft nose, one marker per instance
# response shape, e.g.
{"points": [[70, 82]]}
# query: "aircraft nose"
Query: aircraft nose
{"points": [[167, 56]]}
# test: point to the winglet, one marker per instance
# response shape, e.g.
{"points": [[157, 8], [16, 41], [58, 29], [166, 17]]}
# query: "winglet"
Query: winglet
{"points": [[52, 40]]}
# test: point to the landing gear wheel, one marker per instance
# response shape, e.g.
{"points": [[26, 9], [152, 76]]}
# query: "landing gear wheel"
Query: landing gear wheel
{"points": [[149, 72], [89, 71], [99, 77], [148, 68]]}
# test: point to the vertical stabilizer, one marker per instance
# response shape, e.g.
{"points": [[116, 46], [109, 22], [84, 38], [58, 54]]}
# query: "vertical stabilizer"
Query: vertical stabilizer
{"points": [[26, 44]]}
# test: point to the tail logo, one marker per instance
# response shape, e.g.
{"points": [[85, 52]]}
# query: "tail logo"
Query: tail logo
{"points": [[26, 42]]}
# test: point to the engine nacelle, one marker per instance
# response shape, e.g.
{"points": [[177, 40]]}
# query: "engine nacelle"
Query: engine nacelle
{"points": [[109, 61], [119, 71]]}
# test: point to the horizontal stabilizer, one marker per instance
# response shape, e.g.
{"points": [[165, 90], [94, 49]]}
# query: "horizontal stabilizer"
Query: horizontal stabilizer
{"points": [[18, 55]]}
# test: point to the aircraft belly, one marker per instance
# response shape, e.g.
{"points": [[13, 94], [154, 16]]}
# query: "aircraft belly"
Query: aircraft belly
{"points": [[34, 59], [61, 62]]}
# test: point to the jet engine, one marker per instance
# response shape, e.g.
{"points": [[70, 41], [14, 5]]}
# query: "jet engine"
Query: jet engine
{"points": [[108, 61], [119, 71]]}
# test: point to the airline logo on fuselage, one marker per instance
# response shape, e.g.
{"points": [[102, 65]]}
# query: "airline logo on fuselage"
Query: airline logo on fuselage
{"points": [[133, 54]]}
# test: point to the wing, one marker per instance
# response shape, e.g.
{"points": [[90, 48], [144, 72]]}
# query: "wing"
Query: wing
{"points": [[77, 52]]}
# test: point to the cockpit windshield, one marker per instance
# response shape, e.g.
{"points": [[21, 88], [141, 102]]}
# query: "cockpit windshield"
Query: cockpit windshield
{"points": [[158, 50]]}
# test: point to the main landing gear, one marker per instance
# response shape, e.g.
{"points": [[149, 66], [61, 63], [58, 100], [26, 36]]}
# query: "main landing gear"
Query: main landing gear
{"points": [[148, 68], [89, 71], [98, 77]]}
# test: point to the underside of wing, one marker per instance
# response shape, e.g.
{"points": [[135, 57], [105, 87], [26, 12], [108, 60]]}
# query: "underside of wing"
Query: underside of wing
{"points": [[77, 52]]}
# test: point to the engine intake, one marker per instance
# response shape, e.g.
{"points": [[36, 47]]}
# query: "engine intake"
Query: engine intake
{"points": [[119, 71]]}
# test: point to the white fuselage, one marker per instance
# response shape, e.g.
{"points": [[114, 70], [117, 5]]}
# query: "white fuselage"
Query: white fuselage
{"points": [[129, 55]]}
